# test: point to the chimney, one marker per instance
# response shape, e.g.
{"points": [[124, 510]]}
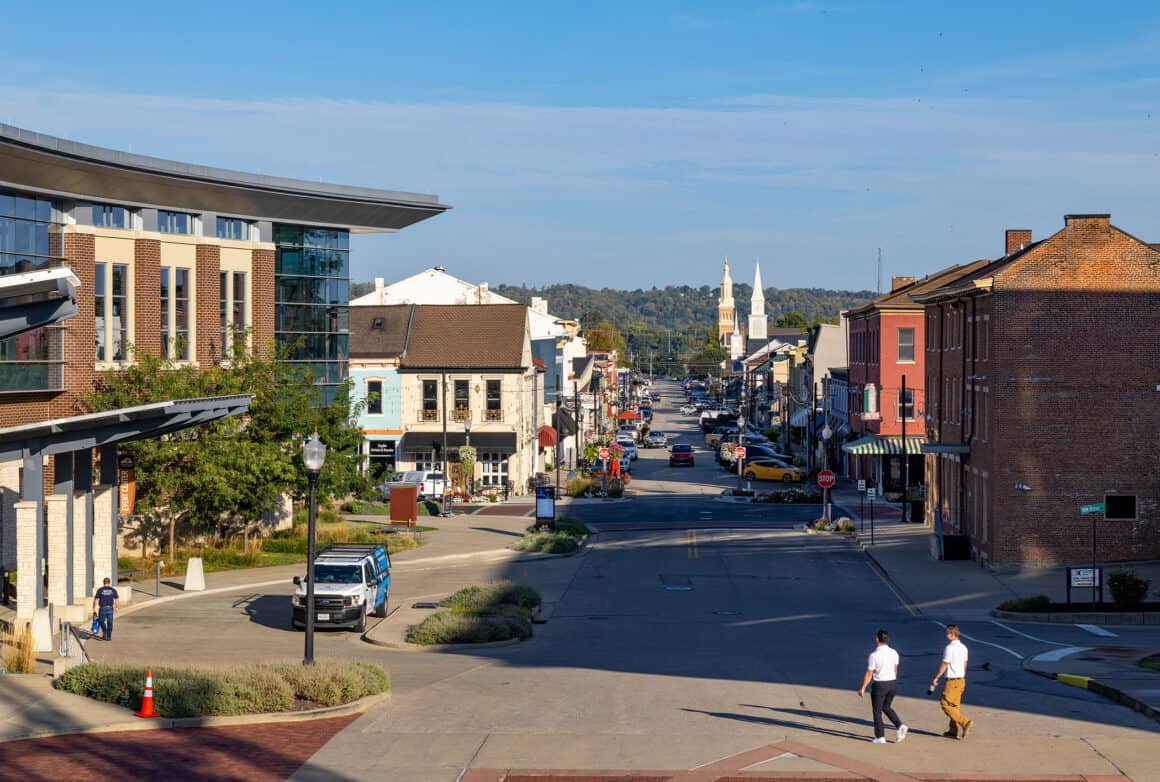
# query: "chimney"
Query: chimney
{"points": [[899, 282], [483, 294], [1017, 239], [539, 305], [380, 283]]}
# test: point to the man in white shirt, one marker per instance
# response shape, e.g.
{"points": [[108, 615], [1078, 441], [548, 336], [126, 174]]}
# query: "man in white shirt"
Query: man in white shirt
{"points": [[954, 665], [882, 670]]}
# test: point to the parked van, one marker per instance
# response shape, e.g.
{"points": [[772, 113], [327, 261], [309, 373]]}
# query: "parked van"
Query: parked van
{"points": [[431, 485], [350, 582]]}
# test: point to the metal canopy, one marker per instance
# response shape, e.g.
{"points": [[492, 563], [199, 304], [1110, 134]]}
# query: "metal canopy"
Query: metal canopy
{"points": [[111, 427]]}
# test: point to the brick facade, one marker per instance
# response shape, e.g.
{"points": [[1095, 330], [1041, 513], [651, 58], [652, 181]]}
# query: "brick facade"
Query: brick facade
{"points": [[147, 304], [209, 349], [263, 304], [1050, 379]]}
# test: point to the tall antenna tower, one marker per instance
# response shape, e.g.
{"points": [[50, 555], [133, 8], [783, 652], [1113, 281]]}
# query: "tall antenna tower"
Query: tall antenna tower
{"points": [[879, 271]]}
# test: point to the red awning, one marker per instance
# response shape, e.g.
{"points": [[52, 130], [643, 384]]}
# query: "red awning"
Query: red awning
{"points": [[547, 436]]}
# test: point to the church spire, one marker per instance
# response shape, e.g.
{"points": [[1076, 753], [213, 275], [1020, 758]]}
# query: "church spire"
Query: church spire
{"points": [[758, 322], [726, 316]]}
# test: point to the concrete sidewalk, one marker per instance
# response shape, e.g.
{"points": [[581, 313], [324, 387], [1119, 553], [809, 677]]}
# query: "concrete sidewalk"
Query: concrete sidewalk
{"points": [[950, 591]]}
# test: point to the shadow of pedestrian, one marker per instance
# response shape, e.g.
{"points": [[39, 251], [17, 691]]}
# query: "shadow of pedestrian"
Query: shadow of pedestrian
{"points": [[787, 723], [844, 718]]}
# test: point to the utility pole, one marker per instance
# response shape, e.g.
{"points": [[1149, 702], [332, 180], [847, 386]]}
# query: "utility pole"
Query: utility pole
{"points": [[905, 458], [879, 271]]}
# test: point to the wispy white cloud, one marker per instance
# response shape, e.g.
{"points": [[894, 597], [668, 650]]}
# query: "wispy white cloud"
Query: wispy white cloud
{"points": [[546, 193]]}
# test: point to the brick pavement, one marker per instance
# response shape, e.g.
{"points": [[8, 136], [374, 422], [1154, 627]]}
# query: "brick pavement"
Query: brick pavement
{"points": [[268, 752]]}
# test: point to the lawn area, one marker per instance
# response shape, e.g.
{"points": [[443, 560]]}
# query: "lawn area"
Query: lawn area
{"points": [[478, 614]]}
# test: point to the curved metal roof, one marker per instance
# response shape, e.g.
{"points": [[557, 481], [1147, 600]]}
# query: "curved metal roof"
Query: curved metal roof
{"points": [[72, 170]]}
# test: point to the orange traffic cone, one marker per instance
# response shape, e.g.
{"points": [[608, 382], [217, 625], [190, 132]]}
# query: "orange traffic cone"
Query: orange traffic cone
{"points": [[147, 701]]}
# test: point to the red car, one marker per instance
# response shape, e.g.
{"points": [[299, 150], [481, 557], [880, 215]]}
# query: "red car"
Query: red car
{"points": [[681, 454]]}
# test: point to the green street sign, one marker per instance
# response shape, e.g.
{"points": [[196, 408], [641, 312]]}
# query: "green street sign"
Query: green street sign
{"points": [[1095, 507]]}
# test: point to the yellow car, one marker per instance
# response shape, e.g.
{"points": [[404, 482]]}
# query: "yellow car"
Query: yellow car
{"points": [[773, 470]]}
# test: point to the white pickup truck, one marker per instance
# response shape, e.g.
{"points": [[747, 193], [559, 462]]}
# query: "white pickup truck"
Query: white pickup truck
{"points": [[350, 583]]}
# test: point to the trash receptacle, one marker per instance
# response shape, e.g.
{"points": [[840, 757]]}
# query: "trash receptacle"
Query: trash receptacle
{"points": [[917, 511], [404, 499]]}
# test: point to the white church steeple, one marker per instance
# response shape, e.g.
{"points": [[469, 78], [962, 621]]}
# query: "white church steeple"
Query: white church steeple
{"points": [[758, 322], [726, 314]]}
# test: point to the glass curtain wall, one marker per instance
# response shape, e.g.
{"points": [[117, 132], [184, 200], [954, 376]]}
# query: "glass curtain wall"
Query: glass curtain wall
{"points": [[311, 300], [29, 241]]}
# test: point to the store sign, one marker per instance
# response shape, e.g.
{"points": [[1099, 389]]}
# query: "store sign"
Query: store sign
{"points": [[382, 449], [126, 486]]}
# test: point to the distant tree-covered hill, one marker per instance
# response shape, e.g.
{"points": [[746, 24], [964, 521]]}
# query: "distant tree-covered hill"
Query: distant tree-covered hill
{"points": [[674, 321]]}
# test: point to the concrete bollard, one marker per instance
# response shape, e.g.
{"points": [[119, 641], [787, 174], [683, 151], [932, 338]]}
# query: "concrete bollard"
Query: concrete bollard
{"points": [[194, 575], [42, 630]]}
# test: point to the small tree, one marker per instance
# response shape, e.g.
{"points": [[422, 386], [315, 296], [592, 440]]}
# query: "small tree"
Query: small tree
{"points": [[467, 456]]}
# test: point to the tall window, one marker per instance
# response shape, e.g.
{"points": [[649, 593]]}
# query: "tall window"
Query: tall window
{"points": [[111, 311], [906, 344], [462, 400], [233, 228], [906, 405], [374, 397], [108, 216], [494, 411], [174, 222], [231, 310], [175, 313], [494, 466], [430, 400]]}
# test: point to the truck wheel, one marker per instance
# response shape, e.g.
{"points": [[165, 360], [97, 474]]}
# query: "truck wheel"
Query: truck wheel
{"points": [[361, 626], [381, 611]]}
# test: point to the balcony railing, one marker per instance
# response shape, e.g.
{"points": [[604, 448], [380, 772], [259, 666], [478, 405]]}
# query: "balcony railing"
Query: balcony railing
{"points": [[428, 415], [460, 414], [493, 415]]}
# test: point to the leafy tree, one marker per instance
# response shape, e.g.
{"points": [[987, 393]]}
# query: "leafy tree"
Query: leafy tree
{"points": [[224, 474], [605, 336], [792, 320]]}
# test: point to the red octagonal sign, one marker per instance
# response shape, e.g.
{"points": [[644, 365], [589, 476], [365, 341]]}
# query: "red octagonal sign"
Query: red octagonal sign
{"points": [[603, 453], [826, 479]]}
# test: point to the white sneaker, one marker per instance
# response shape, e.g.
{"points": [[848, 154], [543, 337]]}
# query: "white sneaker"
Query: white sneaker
{"points": [[902, 731], [878, 740]]}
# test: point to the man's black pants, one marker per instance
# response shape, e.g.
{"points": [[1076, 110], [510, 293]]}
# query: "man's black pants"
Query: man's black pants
{"points": [[881, 697]]}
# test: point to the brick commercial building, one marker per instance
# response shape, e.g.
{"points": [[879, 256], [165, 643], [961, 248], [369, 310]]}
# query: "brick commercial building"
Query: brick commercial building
{"points": [[1042, 394], [175, 260]]}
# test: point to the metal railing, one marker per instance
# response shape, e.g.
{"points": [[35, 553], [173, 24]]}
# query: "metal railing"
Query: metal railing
{"points": [[71, 644], [428, 415], [493, 415]]}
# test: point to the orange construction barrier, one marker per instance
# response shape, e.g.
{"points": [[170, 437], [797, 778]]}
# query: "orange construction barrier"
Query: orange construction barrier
{"points": [[147, 701]]}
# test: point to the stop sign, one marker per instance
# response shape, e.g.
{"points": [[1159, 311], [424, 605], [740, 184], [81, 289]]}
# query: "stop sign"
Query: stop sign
{"points": [[739, 452], [603, 453], [826, 478]]}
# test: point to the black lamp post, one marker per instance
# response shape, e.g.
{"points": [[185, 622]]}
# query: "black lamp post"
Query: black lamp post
{"points": [[467, 479], [313, 457]]}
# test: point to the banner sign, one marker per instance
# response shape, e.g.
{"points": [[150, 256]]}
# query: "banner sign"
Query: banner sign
{"points": [[126, 486]]}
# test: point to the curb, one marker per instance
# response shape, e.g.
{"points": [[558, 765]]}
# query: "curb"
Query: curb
{"points": [[407, 647], [171, 723], [1094, 685], [1147, 618]]}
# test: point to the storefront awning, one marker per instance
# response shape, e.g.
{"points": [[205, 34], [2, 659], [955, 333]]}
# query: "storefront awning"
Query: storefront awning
{"points": [[546, 437], [884, 446], [504, 442], [955, 448]]}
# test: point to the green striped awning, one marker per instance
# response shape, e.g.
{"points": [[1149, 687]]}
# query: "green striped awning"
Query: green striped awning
{"points": [[884, 446]]}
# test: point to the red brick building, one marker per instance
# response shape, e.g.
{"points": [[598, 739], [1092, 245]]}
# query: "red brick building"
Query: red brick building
{"points": [[1042, 394], [885, 345]]}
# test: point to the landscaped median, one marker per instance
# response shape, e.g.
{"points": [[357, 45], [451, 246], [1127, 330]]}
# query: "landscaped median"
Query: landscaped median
{"points": [[479, 614], [229, 692], [568, 536]]}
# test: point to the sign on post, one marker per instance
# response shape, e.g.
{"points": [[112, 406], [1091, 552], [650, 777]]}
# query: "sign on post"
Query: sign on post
{"points": [[861, 485], [739, 452], [826, 479], [602, 453], [871, 493]]}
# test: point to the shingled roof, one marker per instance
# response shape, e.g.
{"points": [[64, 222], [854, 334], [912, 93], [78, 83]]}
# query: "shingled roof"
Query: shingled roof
{"points": [[467, 336], [903, 298], [379, 331]]}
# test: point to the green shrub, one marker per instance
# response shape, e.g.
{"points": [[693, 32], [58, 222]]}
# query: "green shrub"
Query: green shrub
{"points": [[256, 689], [572, 526], [547, 543], [577, 486], [846, 525], [1128, 589], [490, 596], [821, 525], [450, 627], [1036, 603]]}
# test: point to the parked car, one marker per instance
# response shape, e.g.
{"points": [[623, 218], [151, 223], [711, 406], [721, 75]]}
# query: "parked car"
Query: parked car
{"points": [[772, 470], [629, 446], [713, 438], [655, 439], [754, 451], [350, 582], [681, 454], [688, 409], [431, 485]]}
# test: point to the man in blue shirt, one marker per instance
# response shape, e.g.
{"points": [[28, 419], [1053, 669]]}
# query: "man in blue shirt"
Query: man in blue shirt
{"points": [[106, 602]]}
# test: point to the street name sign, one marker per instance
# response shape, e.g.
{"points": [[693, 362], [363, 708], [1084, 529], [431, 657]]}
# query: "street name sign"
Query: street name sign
{"points": [[826, 478]]}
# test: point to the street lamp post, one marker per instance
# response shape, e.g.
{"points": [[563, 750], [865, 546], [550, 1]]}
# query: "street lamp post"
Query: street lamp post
{"points": [[827, 433], [313, 457], [740, 444]]}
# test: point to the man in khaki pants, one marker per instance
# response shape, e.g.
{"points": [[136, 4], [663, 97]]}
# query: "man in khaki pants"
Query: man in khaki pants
{"points": [[954, 665]]}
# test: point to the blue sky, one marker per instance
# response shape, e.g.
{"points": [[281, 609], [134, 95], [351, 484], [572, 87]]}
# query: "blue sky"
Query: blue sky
{"points": [[635, 144]]}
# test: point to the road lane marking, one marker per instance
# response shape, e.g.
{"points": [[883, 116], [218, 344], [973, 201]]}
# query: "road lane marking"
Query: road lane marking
{"points": [[1025, 635], [1011, 652], [691, 539], [909, 609], [1055, 655], [1098, 631]]}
